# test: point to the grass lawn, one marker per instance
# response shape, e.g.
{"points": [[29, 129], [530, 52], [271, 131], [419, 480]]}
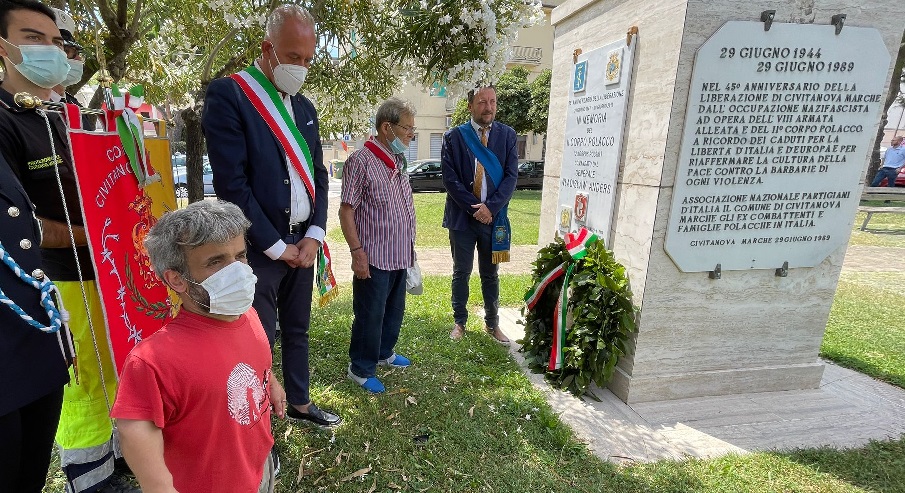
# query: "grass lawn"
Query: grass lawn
{"points": [[885, 230], [524, 214], [866, 329], [465, 418]]}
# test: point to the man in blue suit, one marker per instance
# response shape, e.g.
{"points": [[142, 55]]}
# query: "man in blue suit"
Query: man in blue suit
{"points": [[266, 155], [479, 186]]}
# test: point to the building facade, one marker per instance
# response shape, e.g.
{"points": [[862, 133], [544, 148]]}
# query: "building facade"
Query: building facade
{"points": [[533, 51]]}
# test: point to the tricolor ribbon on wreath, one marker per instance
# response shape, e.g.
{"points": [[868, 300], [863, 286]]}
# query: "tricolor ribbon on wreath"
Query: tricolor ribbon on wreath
{"points": [[123, 106], [577, 246], [267, 102]]}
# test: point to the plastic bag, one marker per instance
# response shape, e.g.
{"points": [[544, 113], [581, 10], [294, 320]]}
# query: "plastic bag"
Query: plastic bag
{"points": [[413, 280]]}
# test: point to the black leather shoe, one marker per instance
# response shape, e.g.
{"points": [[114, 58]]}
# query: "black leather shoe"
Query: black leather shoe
{"points": [[315, 415], [119, 483]]}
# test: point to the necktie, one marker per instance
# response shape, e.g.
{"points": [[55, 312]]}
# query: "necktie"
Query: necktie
{"points": [[479, 168]]}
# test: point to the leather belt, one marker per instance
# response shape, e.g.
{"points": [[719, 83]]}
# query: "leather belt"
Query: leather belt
{"points": [[296, 228]]}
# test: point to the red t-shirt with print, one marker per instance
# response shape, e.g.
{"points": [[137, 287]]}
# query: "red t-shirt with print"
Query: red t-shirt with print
{"points": [[205, 383]]}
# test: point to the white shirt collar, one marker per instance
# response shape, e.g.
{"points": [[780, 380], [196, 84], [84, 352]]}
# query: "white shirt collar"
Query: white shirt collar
{"points": [[477, 127]]}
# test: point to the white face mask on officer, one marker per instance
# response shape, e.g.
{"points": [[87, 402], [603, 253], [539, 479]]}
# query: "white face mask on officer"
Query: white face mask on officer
{"points": [[231, 289], [76, 69], [287, 78]]}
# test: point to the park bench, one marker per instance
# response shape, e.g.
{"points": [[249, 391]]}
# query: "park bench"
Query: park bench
{"points": [[881, 193]]}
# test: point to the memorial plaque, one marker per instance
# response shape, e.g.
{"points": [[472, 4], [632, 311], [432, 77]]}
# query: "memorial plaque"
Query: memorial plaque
{"points": [[595, 120], [777, 132]]}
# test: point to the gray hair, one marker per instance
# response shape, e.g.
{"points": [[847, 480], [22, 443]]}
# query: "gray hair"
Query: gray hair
{"points": [[279, 15], [392, 110], [198, 224]]}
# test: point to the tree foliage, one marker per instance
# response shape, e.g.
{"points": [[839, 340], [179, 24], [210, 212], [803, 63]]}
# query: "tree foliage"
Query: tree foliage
{"points": [[540, 102], [365, 50], [521, 104], [513, 87], [460, 113], [458, 42]]}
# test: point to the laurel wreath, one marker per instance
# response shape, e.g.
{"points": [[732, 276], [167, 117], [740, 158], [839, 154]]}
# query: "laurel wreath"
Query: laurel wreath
{"points": [[601, 322], [157, 310]]}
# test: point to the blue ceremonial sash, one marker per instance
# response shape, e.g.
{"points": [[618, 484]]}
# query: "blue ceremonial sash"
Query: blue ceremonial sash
{"points": [[488, 159], [501, 233]]}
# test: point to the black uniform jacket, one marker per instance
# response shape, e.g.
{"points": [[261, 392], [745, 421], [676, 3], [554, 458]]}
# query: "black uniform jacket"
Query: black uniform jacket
{"points": [[31, 363]]}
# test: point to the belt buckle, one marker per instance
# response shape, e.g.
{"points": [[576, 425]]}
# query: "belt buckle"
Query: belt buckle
{"points": [[295, 228]]}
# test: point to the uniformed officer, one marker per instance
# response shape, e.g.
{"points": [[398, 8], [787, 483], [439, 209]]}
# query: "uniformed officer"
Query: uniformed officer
{"points": [[32, 50], [76, 61], [32, 363]]}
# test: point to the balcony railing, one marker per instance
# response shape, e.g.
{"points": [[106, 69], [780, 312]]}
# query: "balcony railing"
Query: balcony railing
{"points": [[527, 55]]}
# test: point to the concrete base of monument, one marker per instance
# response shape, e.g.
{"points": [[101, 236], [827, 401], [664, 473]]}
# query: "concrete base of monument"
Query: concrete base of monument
{"points": [[634, 389], [847, 409]]}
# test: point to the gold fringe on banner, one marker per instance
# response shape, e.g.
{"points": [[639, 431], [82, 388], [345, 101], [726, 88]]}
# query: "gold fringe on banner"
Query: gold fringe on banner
{"points": [[330, 296], [500, 257]]}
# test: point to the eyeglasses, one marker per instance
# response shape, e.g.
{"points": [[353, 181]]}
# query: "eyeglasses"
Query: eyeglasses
{"points": [[72, 51], [407, 128]]}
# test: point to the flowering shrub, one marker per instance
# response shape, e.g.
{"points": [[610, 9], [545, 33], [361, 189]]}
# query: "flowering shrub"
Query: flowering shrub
{"points": [[366, 49], [461, 43]]}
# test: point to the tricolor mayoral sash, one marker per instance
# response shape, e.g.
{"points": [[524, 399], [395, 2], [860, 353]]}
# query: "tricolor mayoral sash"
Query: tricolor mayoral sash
{"points": [[267, 102], [501, 234]]}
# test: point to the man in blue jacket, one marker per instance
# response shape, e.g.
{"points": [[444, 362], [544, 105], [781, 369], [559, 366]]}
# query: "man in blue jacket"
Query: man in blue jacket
{"points": [[266, 155], [480, 168]]}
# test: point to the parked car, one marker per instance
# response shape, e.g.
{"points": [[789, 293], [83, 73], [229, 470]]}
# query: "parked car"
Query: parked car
{"points": [[530, 174], [424, 175], [179, 179]]}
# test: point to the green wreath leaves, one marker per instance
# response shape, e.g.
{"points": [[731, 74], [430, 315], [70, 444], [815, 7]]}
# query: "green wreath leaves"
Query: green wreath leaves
{"points": [[601, 321]]}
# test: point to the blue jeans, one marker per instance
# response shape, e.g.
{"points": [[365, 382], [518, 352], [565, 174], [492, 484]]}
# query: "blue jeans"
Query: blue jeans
{"points": [[884, 172], [462, 244], [378, 304]]}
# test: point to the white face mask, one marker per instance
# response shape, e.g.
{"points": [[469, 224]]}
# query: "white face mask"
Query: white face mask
{"points": [[231, 289], [288, 78], [76, 68]]}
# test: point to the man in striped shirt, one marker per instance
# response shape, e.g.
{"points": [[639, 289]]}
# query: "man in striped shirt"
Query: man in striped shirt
{"points": [[378, 221]]}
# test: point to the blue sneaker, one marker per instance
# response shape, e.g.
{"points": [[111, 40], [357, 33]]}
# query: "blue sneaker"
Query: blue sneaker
{"points": [[371, 384], [396, 361]]}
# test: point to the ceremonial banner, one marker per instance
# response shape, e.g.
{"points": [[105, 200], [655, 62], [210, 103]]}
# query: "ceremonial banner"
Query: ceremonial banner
{"points": [[162, 192], [118, 215]]}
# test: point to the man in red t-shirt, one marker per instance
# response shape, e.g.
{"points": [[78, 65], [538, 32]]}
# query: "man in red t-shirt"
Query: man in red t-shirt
{"points": [[194, 399]]}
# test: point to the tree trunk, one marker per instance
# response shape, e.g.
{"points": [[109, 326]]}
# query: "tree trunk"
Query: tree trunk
{"points": [[195, 147], [194, 150], [895, 86]]}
